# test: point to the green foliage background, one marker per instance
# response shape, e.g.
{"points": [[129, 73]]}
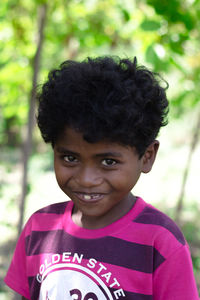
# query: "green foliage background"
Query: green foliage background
{"points": [[163, 35]]}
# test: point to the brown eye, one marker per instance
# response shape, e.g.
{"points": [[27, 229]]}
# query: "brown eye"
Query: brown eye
{"points": [[108, 162], [70, 158]]}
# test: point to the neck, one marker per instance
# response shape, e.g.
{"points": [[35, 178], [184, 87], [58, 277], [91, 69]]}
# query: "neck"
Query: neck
{"points": [[91, 222]]}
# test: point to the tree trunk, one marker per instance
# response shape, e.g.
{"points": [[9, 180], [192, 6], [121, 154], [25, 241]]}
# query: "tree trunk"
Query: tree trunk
{"points": [[193, 145], [31, 116]]}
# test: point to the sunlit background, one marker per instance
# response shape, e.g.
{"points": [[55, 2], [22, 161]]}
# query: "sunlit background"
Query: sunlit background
{"points": [[36, 36]]}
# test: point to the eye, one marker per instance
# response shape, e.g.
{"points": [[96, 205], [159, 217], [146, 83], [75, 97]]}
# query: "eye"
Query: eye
{"points": [[70, 158], [109, 162]]}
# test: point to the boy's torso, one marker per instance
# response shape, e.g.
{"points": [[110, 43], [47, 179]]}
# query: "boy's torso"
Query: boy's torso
{"points": [[67, 262]]}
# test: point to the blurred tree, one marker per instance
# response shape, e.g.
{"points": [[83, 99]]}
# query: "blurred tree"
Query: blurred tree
{"points": [[166, 36], [42, 12]]}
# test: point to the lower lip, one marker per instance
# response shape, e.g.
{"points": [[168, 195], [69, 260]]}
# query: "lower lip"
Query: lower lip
{"points": [[91, 200]]}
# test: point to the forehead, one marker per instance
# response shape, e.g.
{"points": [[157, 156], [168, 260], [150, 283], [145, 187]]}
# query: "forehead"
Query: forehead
{"points": [[73, 140]]}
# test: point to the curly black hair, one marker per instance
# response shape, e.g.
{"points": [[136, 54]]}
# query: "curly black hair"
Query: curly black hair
{"points": [[105, 98]]}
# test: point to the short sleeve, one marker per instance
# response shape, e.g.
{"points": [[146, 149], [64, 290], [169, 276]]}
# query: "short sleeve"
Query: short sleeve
{"points": [[16, 277], [174, 279]]}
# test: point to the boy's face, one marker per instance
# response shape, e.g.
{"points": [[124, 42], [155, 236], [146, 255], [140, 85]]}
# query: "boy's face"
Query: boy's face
{"points": [[98, 177]]}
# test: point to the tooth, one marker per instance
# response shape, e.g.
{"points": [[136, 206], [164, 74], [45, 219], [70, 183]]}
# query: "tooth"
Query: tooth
{"points": [[87, 197]]}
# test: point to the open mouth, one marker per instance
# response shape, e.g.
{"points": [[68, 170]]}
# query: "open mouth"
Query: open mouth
{"points": [[93, 197]]}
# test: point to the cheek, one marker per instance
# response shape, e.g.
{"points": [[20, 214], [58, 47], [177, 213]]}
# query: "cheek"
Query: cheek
{"points": [[125, 179], [62, 175]]}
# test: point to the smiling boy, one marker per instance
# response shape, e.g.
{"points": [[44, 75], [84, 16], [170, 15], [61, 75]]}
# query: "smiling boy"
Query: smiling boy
{"points": [[98, 177], [102, 117]]}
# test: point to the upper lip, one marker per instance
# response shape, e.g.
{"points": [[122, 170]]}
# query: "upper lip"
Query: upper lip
{"points": [[89, 193]]}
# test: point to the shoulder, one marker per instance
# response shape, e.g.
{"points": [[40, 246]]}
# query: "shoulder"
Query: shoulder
{"points": [[159, 222], [55, 208], [47, 218]]}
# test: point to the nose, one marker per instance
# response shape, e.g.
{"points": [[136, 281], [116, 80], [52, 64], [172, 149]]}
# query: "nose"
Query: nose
{"points": [[88, 177]]}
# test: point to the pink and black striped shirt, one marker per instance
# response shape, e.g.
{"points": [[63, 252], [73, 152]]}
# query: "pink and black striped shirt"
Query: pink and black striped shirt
{"points": [[142, 256]]}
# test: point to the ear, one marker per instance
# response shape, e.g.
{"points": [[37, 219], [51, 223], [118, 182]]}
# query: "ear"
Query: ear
{"points": [[149, 156]]}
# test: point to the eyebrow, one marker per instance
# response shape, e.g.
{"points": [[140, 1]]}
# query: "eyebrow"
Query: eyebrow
{"points": [[65, 150], [109, 154], [103, 154]]}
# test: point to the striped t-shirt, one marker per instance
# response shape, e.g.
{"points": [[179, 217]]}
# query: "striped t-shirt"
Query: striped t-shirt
{"points": [[142, 256]]}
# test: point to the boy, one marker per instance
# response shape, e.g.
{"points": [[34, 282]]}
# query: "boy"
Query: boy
{"points": [[102, 117]]}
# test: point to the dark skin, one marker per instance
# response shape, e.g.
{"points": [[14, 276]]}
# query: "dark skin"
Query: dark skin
{"points": [[108, 171], [98, 177]]}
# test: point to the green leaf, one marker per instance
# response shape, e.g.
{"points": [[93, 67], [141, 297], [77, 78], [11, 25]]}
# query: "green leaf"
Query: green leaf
{"points": [[151, 55], [126, 15], [150, 25]]}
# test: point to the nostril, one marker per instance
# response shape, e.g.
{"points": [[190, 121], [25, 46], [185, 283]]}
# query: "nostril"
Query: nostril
{"points": [[88, 177]]}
